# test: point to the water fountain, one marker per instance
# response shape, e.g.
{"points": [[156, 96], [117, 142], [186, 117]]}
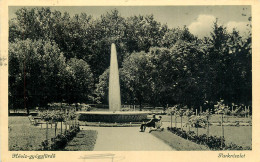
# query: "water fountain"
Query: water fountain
{"points": [[114, 85], [114, 114]]}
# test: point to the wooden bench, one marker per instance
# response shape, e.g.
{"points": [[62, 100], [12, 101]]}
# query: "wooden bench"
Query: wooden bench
{"points": [[36, 121], [32, 121], [158, 126]]}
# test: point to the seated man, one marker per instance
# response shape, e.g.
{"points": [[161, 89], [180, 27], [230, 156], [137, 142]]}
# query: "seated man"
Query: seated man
{"points": [[150, 123]]}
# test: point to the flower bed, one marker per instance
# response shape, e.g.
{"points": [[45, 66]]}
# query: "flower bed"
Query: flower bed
{"points": [[60, 141], [213, 142]]}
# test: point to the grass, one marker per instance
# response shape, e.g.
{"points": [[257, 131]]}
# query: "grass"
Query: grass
{"points": [[25, 137], [84, 141], [177, 142], [241, 136]]}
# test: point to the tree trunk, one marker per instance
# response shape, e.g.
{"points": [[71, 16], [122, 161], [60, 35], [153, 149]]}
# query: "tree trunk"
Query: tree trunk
{"points": [[222, 128], [175, 121], [245, 111], [207, 128], [28, 111], [61, 127], [189, 123], [181, 122], [171, 120], [140, 104], [47, 130], [55, 129], [248, 112]]}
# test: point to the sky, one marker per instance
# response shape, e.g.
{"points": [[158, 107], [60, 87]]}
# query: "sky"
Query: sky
{"points": [[199, 19]]}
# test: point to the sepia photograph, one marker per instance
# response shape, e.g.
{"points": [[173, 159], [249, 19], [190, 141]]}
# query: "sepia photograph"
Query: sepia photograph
{"points": [[135, 78]]}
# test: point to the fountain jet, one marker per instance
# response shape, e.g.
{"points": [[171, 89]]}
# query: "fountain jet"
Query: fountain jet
{"points": [[114, 85], [114, 114]]}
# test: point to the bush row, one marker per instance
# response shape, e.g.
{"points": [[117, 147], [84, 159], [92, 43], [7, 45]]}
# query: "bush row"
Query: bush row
{"points": [[213, 142], [60, 141]]}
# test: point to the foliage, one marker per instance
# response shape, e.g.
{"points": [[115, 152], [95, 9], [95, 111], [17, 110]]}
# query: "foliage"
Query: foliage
{"points": [[101, 91], [207, 114], [135, 73], [35, 66], [189, 112], [61, 140], [173, 110], [198, 121], [39, 64], [221, 108], [80, 87], [213, 142], [158, 65], [57, 115], [233, 146], [240, 111], [86, 108]]}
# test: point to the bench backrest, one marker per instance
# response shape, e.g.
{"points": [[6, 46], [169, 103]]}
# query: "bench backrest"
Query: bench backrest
{"points": [[31, 119]]}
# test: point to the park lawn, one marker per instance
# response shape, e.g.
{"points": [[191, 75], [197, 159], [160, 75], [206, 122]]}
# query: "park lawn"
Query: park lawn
{"points": [[25, 137], [84, 141], [241, 135], [177, 142]]}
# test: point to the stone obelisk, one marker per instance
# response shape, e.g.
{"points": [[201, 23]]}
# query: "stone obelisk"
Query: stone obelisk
{"points": [[114, 86]]}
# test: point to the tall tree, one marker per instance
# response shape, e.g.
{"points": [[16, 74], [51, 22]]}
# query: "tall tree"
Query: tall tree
{"points": [[80, 87], [136, 76], [34, 68]]}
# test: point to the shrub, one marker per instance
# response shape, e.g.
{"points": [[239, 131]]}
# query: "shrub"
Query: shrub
{"points": [[45, 144], [86, 108], [233, 146], [125, 109], [61, 140], [213, 142], [198, 121]]}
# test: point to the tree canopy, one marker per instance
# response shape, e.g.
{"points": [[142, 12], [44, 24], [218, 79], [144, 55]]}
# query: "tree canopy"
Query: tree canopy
{"points": [[56, 57]]}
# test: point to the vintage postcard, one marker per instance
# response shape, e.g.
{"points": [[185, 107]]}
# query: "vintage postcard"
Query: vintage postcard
{"points": [[129, 80]]}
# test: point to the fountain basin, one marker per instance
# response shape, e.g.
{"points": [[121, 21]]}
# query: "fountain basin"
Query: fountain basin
{"points": [[112, 117]]}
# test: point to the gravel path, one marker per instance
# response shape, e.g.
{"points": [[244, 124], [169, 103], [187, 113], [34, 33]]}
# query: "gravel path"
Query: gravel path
{"points": [[126, 139]]}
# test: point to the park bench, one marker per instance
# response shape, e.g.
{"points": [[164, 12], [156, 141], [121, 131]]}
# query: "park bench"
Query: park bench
{"points": [[158, 126], [35, 121], [32, 121], [38, 121]]}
